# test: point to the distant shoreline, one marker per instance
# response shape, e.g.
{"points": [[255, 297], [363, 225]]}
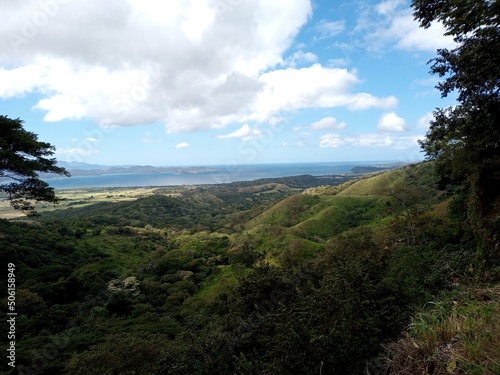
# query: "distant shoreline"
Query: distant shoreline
{"points": [[210, 175]]}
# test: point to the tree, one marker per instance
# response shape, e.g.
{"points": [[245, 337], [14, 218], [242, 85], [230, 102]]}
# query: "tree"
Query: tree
{"points": [[465, 139], [22, 157]]}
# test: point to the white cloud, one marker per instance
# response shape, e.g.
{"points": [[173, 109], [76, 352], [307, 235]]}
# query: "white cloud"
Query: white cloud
{"points": [[18, 81], [182, 145], [372, 141], [424, 121], [383, 141], [245, 133], [311, 87], [392, 24], [328, 29], [75, 151], [186, 63], [301, 57], [388, 6], [331, 140], [338, 62], [411, 37], [328, 123], [364, 101], [390, 122]]}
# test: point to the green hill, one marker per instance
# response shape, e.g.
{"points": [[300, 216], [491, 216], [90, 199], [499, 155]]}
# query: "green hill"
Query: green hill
{"points": [[420, 177]]}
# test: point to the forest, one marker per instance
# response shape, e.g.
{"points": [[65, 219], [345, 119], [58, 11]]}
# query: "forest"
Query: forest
{"points": [[257, 278]]}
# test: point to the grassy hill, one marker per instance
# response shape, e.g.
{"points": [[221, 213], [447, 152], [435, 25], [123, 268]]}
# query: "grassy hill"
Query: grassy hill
{"points": [[319, 214]]}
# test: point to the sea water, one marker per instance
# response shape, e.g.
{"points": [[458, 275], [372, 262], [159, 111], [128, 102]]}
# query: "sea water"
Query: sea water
{"points": [[217, 175]]}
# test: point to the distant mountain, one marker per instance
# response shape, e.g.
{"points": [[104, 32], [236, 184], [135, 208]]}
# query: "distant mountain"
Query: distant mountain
{"points": [[85, 169]]}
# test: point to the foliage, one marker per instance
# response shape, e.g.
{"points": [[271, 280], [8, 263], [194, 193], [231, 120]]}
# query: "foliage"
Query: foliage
{"points": [[310, 284], [464, 139], [458, 334], [128, 353], [22, 158]]}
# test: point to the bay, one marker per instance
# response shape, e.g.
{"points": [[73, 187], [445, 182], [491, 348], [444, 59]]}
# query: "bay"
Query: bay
{"points": [[218, 175]]}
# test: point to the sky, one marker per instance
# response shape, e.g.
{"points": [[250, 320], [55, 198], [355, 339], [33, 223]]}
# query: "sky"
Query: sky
{"points": [[214, 82]]}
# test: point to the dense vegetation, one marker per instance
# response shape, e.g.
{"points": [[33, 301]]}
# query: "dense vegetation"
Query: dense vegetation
{"points": [[220, 280], [464, 139], [396, 273]]}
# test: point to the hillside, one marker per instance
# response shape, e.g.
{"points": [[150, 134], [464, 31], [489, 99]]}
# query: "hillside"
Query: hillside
{"points": [[251, 278]]}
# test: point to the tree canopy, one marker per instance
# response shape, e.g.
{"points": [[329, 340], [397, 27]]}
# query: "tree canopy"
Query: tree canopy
{"points": [[465, 139], [22, 158]]}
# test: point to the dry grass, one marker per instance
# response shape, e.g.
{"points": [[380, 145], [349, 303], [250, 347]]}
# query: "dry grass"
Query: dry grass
{"points": [[80, 198], [457, 336]]}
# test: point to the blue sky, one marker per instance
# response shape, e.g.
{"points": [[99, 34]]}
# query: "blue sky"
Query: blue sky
{"points": [[204, 82]]}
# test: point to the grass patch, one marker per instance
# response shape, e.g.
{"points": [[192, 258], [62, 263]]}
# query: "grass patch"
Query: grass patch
{"points": [[335, 215], [375, 185], [458, 335], [286, 213], [420, 177], [124, 254], [217, 283]]}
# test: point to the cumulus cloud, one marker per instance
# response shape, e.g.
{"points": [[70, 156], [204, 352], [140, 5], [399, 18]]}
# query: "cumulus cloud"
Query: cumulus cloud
{"points": [[182, 145], [392, 24], [188, 63], [328, 123], [312, 87], [331, 140], [143, 61], [245, 133], [390, 122], [424, 121], [409, 36]]}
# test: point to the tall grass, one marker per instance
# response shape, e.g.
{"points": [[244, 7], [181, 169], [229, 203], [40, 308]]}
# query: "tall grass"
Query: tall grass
{"points": [[457, 335]]}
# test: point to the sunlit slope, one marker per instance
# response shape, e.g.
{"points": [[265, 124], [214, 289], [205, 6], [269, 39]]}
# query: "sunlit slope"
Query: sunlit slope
{"points": [[419, 177], [318, 218], [379, 184], [338, 214], [288, 212], [324, 212]]}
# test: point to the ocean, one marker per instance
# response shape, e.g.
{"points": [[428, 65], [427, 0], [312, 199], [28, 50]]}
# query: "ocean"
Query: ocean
{"points": [[220, 174]]}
